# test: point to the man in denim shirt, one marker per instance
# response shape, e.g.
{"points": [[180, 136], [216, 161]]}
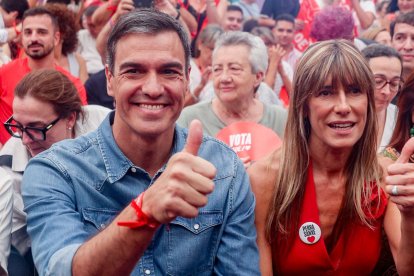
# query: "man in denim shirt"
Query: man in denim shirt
{"points": [[196, 216]]}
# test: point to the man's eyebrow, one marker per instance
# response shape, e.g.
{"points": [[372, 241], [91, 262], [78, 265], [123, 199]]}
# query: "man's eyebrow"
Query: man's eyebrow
{"points": [[136, 65]]}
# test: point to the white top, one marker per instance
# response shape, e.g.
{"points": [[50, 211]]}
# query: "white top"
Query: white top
{"points": [[94, 115], [389, 126], [6, 205], [87, 49]]}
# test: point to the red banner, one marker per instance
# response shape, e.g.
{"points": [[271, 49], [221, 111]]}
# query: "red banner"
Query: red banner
{"points": [[308, 9]]}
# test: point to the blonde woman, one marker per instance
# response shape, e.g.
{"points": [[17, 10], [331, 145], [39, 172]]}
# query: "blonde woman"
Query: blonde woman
{"points": [[320, 205]]}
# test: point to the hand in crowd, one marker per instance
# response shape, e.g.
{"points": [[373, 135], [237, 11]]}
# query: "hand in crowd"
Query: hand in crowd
{"points": [[184, 185], [276, 53], [299, 24], [165, 6], [205, 76], [400, 180], [124, 6]]}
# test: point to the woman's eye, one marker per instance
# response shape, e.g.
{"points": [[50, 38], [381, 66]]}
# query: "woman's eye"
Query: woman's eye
{"points": [[324, 93], [354, 90]]}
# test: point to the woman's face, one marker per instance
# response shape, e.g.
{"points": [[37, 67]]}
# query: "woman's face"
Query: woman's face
{"points": [[337, 116], [233, 77], [386, 69], [29, 111], [205, 55], [384, 38], [405, 5]]}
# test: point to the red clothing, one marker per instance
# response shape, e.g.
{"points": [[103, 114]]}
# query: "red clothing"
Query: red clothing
{"points": [[10, 75], [355, 253]]}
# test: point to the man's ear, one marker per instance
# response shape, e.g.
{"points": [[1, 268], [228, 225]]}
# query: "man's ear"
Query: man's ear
{"points": [[109, 80], [57, 38]]}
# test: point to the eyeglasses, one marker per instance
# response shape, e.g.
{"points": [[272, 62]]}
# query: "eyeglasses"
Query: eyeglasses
{"points": [[394, 84], [35, 133]]}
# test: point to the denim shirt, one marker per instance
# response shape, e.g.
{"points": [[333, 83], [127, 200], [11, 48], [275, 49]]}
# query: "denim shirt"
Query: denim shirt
{"points": [[77, 187]]}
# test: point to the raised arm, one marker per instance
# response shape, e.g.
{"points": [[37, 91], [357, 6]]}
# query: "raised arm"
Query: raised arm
{"points": [[399, 218], [262, 182]]}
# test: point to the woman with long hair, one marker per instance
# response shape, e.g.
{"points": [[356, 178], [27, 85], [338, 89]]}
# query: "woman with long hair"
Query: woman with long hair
{"points": [[320, 204]]}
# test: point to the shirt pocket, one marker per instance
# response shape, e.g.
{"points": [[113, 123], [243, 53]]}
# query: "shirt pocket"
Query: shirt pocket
{"points": [[97, 219], [192, 243]]}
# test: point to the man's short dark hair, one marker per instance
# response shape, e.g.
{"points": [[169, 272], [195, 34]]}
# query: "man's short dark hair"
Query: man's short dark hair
{"points": [[234, 8], [41, 10], [403, 18], [15, 5], [380, 50], [285, 17], [145, 21]]}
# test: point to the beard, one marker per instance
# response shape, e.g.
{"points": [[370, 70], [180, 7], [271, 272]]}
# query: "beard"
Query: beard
{"points": [[40, 53]]}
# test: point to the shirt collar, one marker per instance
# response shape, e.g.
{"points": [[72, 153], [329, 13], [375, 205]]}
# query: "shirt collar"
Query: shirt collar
{"points": [[116, 163]]}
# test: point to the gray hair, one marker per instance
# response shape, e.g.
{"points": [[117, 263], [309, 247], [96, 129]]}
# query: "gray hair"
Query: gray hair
{"points": [[145, 21], [258, 56]]}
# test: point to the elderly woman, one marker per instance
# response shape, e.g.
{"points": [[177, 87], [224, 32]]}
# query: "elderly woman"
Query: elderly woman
{"points": [[319, 199], [237, 71], [46, 110]]}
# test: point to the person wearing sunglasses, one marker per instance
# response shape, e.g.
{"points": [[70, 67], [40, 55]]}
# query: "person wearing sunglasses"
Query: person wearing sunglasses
{"points": [[46, 109], [386, 65]]}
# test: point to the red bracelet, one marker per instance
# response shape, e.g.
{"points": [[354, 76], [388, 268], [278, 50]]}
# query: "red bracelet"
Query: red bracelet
{"points": [[142, 218]]}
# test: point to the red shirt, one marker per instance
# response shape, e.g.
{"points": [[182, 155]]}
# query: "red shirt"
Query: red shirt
{"points": [[10, 75], [355, 253]]}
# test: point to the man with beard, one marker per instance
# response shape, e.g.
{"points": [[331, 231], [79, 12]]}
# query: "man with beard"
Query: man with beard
{"points": [[39, 37]]}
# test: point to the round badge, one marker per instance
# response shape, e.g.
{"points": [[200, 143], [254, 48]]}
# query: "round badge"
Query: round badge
{"points": [[310, 233]]}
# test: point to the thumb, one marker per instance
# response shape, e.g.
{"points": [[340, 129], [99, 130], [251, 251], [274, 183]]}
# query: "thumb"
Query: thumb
{"points": [[406, 151], [194, 138]]}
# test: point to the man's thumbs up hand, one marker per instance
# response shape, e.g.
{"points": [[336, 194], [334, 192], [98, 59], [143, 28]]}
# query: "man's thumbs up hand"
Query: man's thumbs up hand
{"points": [[184, 185]]}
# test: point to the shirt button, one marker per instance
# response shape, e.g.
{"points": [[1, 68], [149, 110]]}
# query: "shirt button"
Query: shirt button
{"points": [[147, 271], [102, 225], [134, 170], [196, 226]]}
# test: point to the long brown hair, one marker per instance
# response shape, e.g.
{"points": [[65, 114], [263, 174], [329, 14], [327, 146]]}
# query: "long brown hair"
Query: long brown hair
{"points": [[341, 61], [404, 122]]}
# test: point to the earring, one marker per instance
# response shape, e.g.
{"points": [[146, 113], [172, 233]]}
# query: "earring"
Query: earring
{"points": [[69, 128]]}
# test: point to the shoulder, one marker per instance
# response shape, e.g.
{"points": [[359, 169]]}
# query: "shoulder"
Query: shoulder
{"points": [[276, 112], [263, 174], [195, 111], [216, 152], [11, 67]]}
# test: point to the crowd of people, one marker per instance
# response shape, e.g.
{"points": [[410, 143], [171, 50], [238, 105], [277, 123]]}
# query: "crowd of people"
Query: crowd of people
{"points": [[136, 137]]}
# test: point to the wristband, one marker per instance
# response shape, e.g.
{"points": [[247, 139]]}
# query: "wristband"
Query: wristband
{"points": [[142, 218]]}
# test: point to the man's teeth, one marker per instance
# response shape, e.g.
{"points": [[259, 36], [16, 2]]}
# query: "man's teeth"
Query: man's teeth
{"points": [[151, 106], [342, 125]]}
